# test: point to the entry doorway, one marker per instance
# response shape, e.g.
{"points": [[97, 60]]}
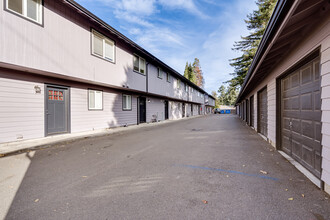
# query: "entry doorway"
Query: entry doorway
{"points": [[142, 110], [166, 109], [57, 111], [192, 110], [183, 110]]}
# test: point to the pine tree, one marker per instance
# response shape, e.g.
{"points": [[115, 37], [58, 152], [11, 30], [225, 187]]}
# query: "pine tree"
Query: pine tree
{"points": [[189, 73], [198, 73], [256, 23]]}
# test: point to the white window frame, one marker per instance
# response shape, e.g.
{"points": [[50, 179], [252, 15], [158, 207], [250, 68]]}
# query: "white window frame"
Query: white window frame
{"points": [[160, 73], [140, 59], [168, 79], [128, 102], [24, 11], [96, 106], [104, 41]]}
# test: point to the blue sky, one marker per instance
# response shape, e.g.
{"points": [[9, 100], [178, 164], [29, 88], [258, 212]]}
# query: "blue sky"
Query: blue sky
{"points": [[177, 31]]}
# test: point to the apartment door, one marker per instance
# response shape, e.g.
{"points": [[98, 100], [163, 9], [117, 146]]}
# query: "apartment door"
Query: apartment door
{"points": [[183, 110], [301, 116], [192, 110], [142, 110], [262, 112], [56, 110], [166, 109]]}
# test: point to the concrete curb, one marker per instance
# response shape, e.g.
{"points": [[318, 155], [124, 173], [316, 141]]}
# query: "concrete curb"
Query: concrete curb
{"points": [[17, 147]]}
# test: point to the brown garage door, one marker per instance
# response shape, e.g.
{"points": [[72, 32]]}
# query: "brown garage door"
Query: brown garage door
{"points": [[301, 116], [262, 112]]}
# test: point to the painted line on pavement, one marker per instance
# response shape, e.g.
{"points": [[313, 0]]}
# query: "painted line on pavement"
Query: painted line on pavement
{"points": [[229, 171]]}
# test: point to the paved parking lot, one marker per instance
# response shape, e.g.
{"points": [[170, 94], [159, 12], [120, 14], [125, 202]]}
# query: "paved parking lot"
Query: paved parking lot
{"points": [[211, 167]]}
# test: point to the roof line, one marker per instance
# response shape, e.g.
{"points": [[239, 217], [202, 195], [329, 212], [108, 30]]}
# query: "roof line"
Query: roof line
{"points": [[272, 27], [129, 41]]}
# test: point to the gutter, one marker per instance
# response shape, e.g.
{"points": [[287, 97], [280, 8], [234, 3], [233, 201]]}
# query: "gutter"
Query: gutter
{"points": [[280, 12]]}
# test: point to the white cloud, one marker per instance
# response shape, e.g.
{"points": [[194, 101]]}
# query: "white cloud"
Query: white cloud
{"points": [[188, 5]]}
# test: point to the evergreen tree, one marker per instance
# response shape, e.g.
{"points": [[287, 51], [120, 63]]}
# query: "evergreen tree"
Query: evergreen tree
{"points": [[256, 23], [215, 95], [222, 95], [189, 73], [198, 73]]}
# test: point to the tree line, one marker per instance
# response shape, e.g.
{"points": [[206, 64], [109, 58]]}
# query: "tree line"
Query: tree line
{"points": [[256, 23], [193, 72]]}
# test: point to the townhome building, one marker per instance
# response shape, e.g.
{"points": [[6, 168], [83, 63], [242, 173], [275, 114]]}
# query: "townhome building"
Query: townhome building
{"points": [[286, 94], [64, 70]]}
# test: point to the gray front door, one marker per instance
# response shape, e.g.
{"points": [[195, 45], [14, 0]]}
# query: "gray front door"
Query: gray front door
{"points": [[262, 112], [301, 116], [57, 110]]}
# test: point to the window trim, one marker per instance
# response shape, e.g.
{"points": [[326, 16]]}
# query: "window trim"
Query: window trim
{"points": [[25, 17], [122, 102], [168, 77], [145, 65], [88, 106], [104, 38], [178, 83], [160, 70]]}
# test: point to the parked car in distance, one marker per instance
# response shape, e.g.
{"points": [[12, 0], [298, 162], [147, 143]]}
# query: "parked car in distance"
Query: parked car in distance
{"points": [[217, 111]]}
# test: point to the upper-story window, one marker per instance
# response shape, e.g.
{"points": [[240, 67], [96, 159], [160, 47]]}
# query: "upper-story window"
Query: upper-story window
{"points": [[160, 73], [103, 47], [186, 87], [178, 83], [168, 79], [31, 9], [139, 64]]}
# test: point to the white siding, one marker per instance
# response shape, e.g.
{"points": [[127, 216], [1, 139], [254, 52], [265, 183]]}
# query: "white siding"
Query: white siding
{"points": [[325, 95], [21, 110], [271, 109]]}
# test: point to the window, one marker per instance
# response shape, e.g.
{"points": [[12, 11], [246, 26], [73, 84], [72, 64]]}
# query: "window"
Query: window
{"points": [[31, 9], [139, 64], [103, 47], [186, 87], [127, 102], [168, 77], [95, 100], [160, 73], [178, 83]]}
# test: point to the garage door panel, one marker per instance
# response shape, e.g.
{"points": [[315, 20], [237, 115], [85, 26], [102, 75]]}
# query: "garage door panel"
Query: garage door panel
{"points": [[301, 116], [307, 128], [310, 115], [296, 149], [318, 128], [317, 100], [306, 75], [307, 155], [286, 144], [306, 101], [296, 125], [295, 80]]}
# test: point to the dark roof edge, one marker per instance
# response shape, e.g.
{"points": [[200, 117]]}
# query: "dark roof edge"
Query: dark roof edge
{"points": [[280, 11], [129, 41]]}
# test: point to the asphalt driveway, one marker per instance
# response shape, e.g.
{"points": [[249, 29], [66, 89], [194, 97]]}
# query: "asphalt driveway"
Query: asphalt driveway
{"points": [[201, 168]]}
